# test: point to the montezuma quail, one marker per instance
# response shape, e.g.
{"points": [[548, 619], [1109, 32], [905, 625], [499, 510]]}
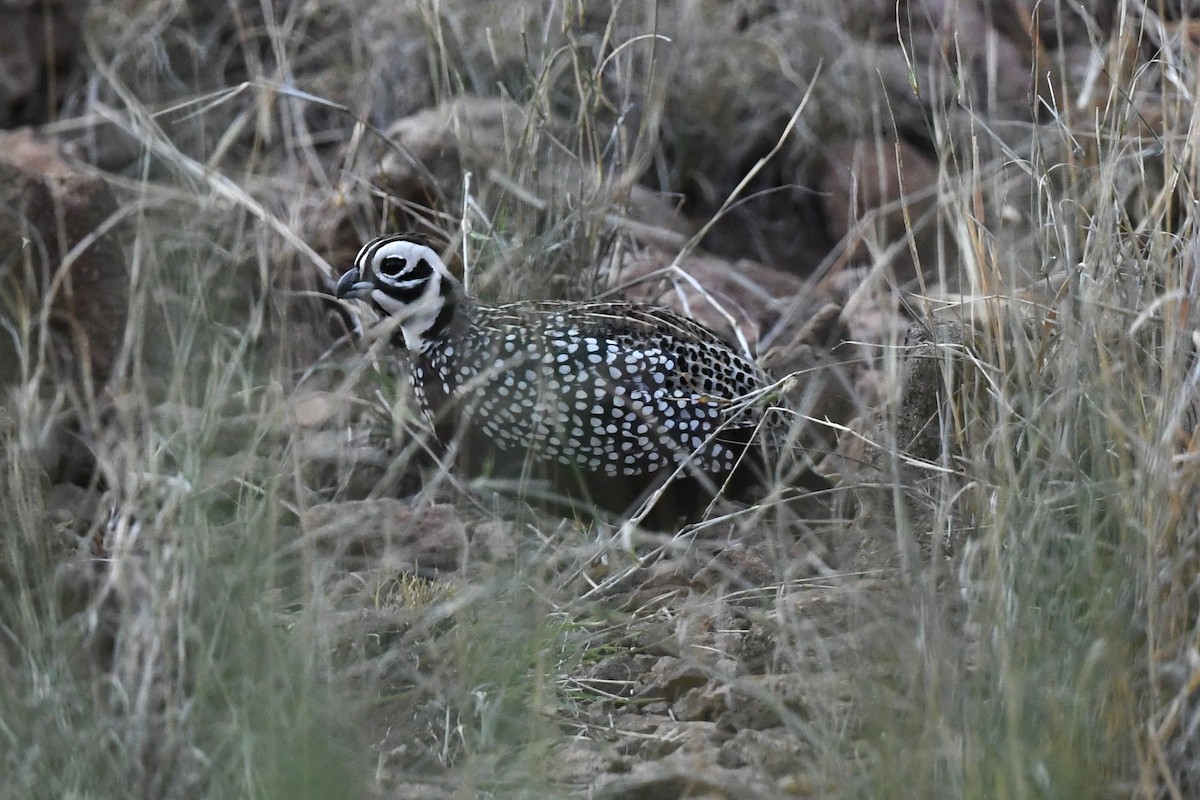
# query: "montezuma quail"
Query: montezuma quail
{"points": [[605, 399]]}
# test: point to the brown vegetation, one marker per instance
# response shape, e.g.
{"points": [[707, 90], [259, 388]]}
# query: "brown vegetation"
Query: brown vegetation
{"points": [[961, 234]]}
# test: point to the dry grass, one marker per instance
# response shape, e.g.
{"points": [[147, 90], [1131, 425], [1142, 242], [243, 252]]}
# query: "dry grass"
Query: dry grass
{"points": [[1049, 649]]}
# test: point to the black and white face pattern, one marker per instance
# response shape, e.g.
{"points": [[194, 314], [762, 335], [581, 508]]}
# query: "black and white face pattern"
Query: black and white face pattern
{"points": [[406, 280]]}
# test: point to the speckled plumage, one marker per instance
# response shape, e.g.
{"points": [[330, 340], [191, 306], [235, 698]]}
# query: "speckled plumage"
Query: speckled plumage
{"points": [[616, 395]]}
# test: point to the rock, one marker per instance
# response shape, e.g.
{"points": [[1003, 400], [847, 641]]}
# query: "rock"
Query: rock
{"points": [[686, 777], [632, 729], [987, 70], [701, 703], [873, 192], [579, 761], [390, 533], [513, 154], [71, 508], [418, 790], [356, 469], [504, 143], [38, 43], [671, 677], [619, 674], [755, 650], [758, 702], [314, 409], [724, 295], [58, 209], [1073, 24], [775, 751], [495, 541], [656, 585], [737, 568]]}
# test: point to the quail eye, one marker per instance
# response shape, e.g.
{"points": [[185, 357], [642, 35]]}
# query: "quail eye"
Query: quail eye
{"points": [[392, 266]]}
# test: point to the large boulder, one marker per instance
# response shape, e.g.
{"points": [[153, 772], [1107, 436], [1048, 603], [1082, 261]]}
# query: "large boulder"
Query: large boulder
{"points": [[61, 262]]}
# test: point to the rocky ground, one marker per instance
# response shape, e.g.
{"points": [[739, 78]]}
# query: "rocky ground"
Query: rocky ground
{"points": [[221, 506]]}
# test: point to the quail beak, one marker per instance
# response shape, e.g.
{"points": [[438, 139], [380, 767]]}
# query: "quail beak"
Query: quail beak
{"points": [[349, 287]]}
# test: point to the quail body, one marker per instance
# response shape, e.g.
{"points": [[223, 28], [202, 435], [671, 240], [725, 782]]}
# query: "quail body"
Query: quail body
{"points": [[608, 401]]}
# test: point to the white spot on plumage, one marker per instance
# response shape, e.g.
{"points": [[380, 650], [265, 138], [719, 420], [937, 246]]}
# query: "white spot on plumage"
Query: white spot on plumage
{"points": [[603, 376]]}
